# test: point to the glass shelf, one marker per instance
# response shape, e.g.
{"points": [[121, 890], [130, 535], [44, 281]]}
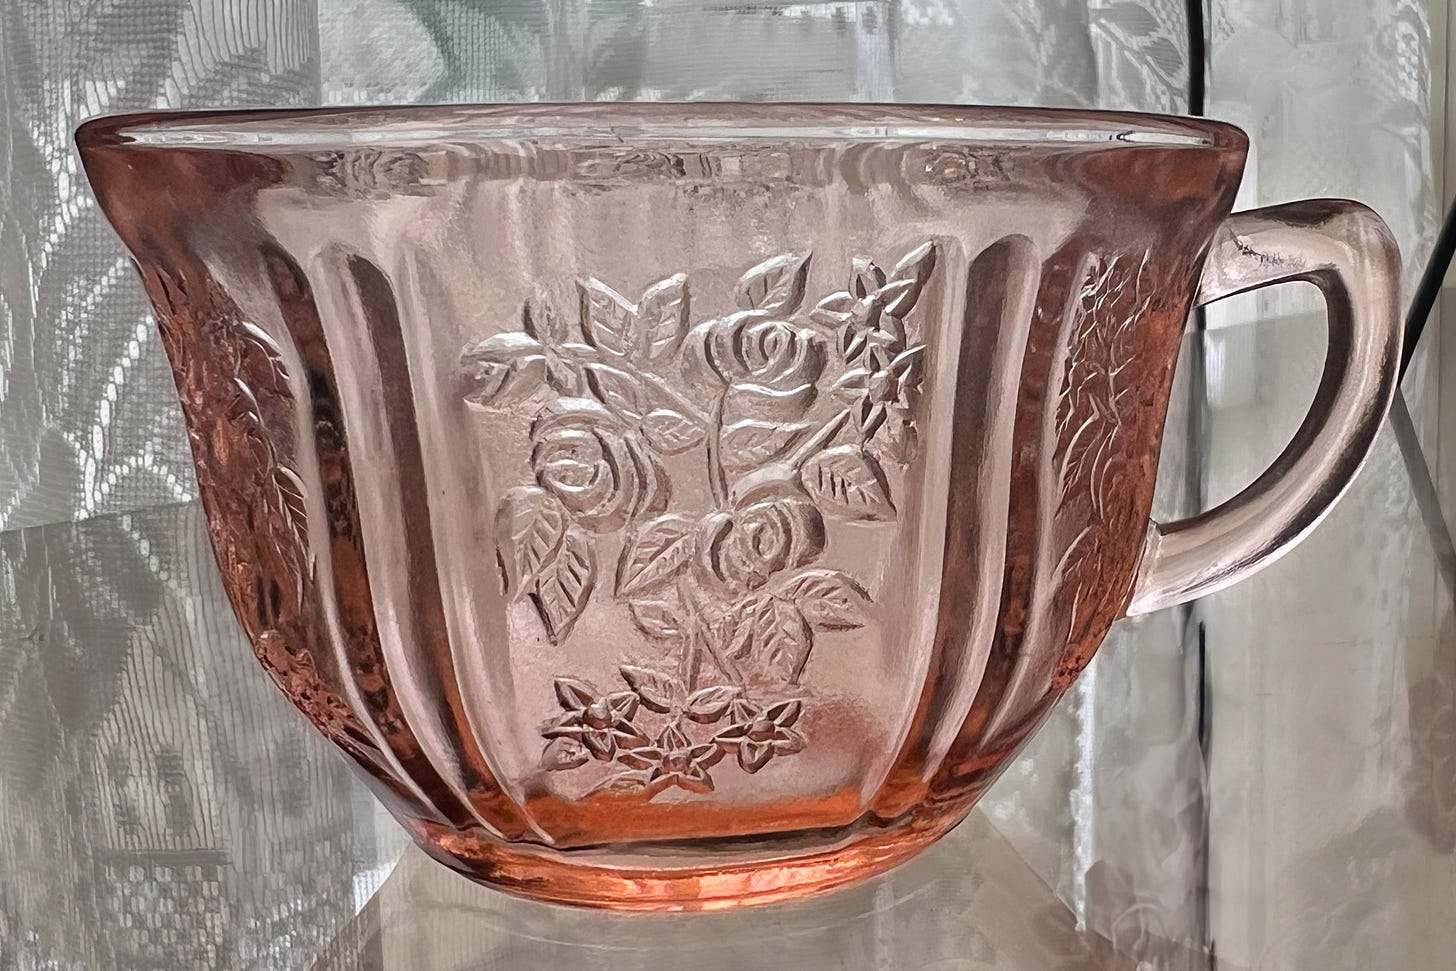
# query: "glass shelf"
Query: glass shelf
{"points": [[162, 806]]}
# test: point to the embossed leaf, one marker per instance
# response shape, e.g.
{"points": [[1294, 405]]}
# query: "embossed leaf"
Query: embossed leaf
{"points": [[784, 640], [656, 554], [530, 525], [898, 441], [573, 694], [642, 757], [669, 432], [868, 417], [658, 691], [244, 405], [762, 401], [542, 323], [568, 725], [632, 780], [288, 524], [262, 344], [866, 312], [502, 369], [865, 277], [672, 739], [288, 496], [494, 385], [892, 333], [623, 703], [740, 626], [749, 444], [850, 386], [830, 600], [776, 285], [576, 352], [565, 375], [615, 389], [916, 267], [564, 753], [852, 343], [771, 633], [848, 483], [662, 316], [657, 618], [565, 585], [893, 295], [608, 319], [834, 310], [707, 705], [904, 362]]}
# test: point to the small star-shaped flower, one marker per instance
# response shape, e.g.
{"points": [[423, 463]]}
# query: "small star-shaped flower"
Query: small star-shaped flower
{"points": [[758, 734], [602, 723], [884, 387], [673, 760]]}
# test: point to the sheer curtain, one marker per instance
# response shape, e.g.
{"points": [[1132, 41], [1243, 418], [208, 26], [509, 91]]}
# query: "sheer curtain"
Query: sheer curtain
{"points": [[158, 807], [136, 741], [1330, 674]]}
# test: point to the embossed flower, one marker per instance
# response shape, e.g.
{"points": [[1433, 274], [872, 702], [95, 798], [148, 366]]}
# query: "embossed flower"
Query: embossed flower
{"points": [[602, 473], [884, 387], [601, 723], [770, 366], [742, 548], [758, 734], [673, 760]]}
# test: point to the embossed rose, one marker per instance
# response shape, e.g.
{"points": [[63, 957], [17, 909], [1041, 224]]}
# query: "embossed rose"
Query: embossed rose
{"points": [[603, 475], [742, 548], [769, 366]]}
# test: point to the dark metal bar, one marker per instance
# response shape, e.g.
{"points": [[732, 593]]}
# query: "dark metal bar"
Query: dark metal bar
{"points": [[1197, 58], [1423, 300], [1195, 487], [1423, 487]]}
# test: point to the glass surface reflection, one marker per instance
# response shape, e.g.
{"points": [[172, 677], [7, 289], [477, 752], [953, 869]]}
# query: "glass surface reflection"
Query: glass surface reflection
{"points": [[971, 903]]}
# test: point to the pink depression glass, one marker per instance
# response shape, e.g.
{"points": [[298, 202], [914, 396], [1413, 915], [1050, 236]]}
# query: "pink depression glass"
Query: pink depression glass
{"points": [[682, 506]]}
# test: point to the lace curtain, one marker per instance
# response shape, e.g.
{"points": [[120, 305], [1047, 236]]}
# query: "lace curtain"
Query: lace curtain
{"points": [[1331, 793], [143, 759]]}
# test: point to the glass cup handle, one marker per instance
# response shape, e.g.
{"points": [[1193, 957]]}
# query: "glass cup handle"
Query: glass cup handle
{"points": [[1348, 252]]}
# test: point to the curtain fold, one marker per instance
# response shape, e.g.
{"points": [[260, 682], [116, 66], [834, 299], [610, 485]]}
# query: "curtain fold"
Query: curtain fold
{"points": [[87, 424]]}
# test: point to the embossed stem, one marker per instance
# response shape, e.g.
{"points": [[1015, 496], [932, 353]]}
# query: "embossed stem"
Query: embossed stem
{"points": [[672, 394], [725, 666], [661, 386], [701, 636], [690, 661], [823, 436], [717, 475]]}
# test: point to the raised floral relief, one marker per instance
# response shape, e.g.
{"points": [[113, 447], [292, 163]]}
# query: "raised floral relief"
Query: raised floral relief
{"points": [[240, 367], [1094, 394], [286, 521], [235, 376], [1096, 398], [734, 594]]}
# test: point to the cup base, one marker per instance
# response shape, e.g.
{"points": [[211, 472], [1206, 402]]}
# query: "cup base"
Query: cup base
{"points": [[665, 883]]}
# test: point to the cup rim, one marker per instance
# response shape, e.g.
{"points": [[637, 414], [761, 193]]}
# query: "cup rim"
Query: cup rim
{"points": [[343, 127]]}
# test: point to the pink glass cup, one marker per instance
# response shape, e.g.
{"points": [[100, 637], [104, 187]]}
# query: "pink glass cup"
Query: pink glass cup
{"points": [[680, 506]]}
